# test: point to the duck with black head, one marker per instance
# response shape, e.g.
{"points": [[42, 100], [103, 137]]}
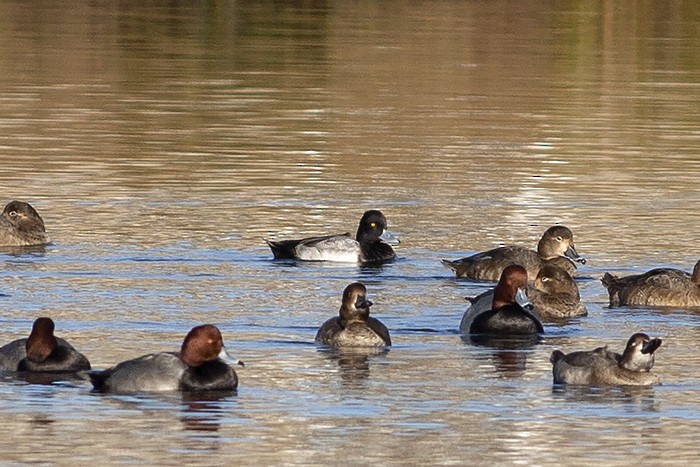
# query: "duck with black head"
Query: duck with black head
{"points": [[657, 287], [371, 245], [202, 364], [555, 247], [354, 327], [510, 313], [42, 351], [600, 367], [21, 225]]}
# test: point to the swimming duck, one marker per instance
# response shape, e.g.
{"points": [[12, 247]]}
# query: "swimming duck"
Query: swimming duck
{"points": [[510, 312], [554, 295], [42, 352], [21, 225], [201, 364], [556, 246], [354, 327], [600, 367], [658, 287], [372, 244]]}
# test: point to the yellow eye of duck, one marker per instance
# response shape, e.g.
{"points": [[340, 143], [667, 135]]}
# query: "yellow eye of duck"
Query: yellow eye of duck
{"points": [[373, 224]]}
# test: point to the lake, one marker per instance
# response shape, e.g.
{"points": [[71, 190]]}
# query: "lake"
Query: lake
{"points": [[161, 142]]}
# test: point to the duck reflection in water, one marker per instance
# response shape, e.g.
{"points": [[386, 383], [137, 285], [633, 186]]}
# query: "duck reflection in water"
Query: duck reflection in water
{"points": [[203, 410], [639, 397], [354, 363], [508, 355]]}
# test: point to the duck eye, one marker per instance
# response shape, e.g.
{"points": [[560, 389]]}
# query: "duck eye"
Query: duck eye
{"points": [[373, 224], [558, 238], [545, 279], [12, 214]]}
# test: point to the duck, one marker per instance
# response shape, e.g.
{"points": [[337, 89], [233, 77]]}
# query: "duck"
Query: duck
{"points": [[554, 296], [202, 364], [42, 352], [354, 327], [21, 225], [601, 367], [372, 244], [657, 287], [556, 247], [511, 312]]}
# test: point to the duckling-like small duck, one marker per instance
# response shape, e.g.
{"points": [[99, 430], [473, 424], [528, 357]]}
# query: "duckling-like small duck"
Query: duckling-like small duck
{"points": [[556, 246], [600, 367], [554, 296], [658, 287], [21, 225], [42, 352], [372, 244], [354, 327], [510, 312], [201, 365]]}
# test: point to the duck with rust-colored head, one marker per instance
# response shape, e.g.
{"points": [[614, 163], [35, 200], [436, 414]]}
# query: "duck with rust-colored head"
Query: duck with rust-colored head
{"points": [[42, 352], [371, 245], [354, 327], [21, 225], [201, 365], [600, 367], [658, 287], [554, 296], [510, 313], [555, 247]]}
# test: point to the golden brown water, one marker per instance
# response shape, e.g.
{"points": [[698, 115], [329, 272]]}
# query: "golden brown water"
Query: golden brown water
{"points": [[161, 143]]}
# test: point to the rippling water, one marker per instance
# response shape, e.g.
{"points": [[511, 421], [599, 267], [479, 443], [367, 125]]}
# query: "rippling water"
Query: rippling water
{"points": [[161, 143]]}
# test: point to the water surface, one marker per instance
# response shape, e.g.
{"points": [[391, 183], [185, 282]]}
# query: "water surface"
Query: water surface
{"points": [[161, 143]]}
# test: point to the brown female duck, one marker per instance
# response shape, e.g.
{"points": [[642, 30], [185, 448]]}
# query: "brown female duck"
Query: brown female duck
{"points": [[556, 246]]}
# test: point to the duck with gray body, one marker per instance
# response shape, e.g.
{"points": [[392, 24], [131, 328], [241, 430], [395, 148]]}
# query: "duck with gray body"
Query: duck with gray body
{"points": [[554, 296], [42, 352], [354, 327], [510, 313], [658, 287], [601, 367], [371, 245], [202, 364], [555, 247], [21, 225]]}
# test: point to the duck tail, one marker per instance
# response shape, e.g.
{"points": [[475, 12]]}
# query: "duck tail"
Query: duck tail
{"points": [[608, 280], [282, 249], [556, 356], [448, 264], [98, 379], [614, 286]]}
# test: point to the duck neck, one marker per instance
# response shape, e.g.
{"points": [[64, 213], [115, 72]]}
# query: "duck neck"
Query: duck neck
{"points": [[696, 274]]}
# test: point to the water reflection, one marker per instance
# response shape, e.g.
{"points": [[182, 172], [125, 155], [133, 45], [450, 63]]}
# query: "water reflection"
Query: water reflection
{"points": [[642, 397], [508, 354], [354, 363], [45, 378], [181, 134], [28, 250], [203, 411]]}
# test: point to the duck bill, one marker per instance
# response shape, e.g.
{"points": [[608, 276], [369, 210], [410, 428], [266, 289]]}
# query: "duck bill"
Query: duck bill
{"points": [[651, 346], [389, 238], [573, 255], [228, 359], [522, 300], [362, 303]]}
